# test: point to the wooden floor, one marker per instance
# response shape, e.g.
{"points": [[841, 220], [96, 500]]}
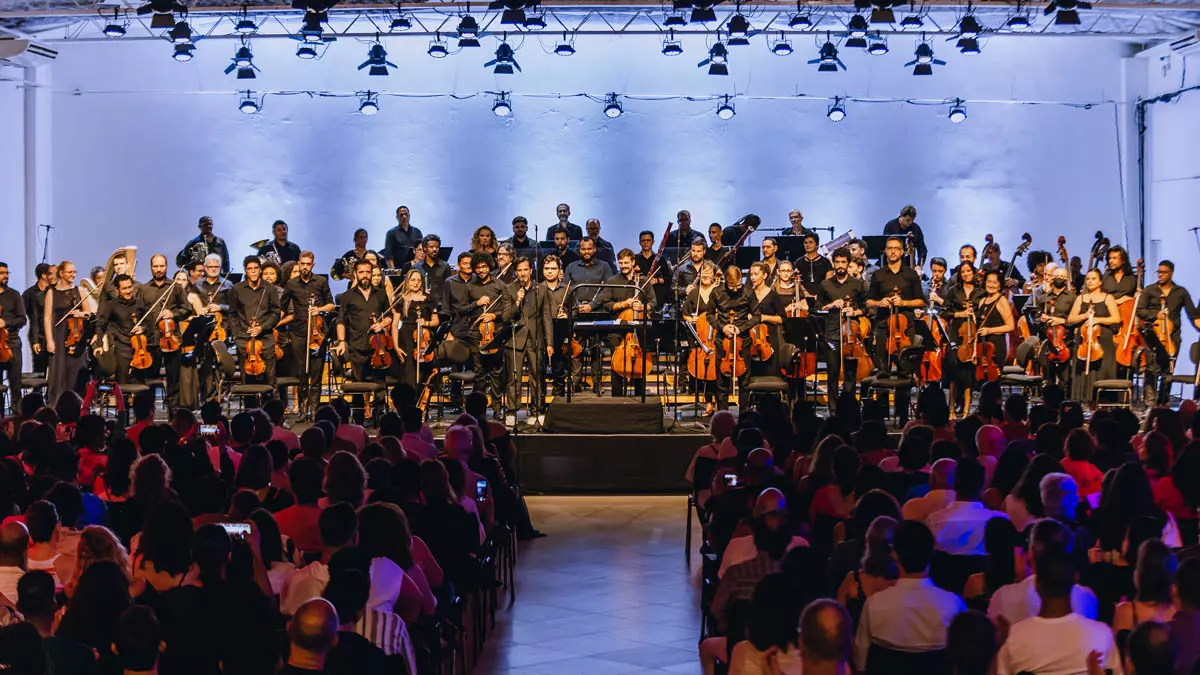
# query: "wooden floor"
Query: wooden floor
{"points": [[606, 593]]}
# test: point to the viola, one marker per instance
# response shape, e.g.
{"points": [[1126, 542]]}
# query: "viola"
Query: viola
{"points": [[760, 343], [316, 332], [1089, 348], [219, 333], [421, 339], [141, 356], [75, 332], [5, 350], [629, 360], [968, 335], [897, 337], [986, 368], [381, 347], [278, 345], [702, 359], [732, 364], [253, 363], [1057, 350], [1164, 327], [1129, 339], [168, 335]]}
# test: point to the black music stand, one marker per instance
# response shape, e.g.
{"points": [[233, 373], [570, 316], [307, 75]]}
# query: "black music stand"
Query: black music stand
{"points": [[875, 244], [745, 256], [444, 253], [1019, 302], [804, 332], [790, 247]]}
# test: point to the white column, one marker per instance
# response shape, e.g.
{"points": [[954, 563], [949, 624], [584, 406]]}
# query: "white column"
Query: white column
{"points": [[38, 183]]}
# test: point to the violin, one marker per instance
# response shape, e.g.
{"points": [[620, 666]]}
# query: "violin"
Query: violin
{"points": [[76, 326], [168, 335], [986, 368], [628, 359], [760, 343], [1057, 351], [5, 350], [804, 360], [931, 362], [278, 345], [968, 335], [219, 333], [1164, 327], [793, 310], [897, 338], [732, 364], [570, 346], [421, 339], [381, 347], [141, 356], [1089, 347], [253, 363], [1129, 339], [702, 359], [317, 332]]}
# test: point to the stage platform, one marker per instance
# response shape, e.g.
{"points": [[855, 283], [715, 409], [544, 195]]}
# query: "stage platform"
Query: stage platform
{"points": [[605, 463]]}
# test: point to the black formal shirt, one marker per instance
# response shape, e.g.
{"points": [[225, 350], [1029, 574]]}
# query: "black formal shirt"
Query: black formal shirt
{"points": [[35, 305], [1057, 304], [659, 290], [550, 300], [580, 272], [152, 291], [298, 294], [522, 244], [685, 275], [1004, 268], [732, 307], [12, 310], [851, 290], [715, 254], [893, 228], [117, 318], [812, 272], [526, 315], [574, 233], [493, 290], [398, 244], [247, 305], [683, 238], [288, 252], [214, 292], [1125, 288], [1177, 301], [621, 289], [885, 282], [358, 313], [457, 301], [956, 300], [565, 258], [435, 276], [195, 250]]}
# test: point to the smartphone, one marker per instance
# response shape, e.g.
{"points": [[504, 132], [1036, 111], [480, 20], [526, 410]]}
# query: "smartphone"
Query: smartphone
{"points": [[481, 486], [237, 530], [208, 430], [731, 479]]}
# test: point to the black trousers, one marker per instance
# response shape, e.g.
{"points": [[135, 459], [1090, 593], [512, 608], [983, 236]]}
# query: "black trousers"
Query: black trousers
{"points": [[125, 373], [169, 362], [1159, 365], [310, 378], [41, 360], [12, 375], [885, 365], [489, 372], [531, 357], [725, 382]]}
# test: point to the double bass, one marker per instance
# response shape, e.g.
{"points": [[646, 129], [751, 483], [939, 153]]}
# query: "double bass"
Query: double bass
{"points": [[1129, 339]]}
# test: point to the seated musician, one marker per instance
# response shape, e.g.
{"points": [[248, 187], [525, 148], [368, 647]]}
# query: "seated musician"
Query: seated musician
{"points": [[842, 296], [730, 314], [995, 317], [961, 304], [620, 297], [1054, 307], [363, 312], [254, 311], [895, 288], [487, 306], [412, 307], [697, 304], [1094, 306], [116, 322], [1161, 300]]}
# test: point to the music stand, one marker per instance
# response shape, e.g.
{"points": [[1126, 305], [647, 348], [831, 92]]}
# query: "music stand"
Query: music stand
{"points": [[875, 244], [803, 331], [790, 247], [745, 256], [1019, 302], [445, 252]]}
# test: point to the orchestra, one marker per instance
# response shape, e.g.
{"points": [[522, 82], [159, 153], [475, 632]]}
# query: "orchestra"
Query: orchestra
{"points": [[683, 316]]}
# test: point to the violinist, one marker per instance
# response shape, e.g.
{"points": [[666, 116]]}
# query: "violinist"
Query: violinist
{"points": [[785, 283], [343, 267], [253, 313], [486, 295], [12, 319], [523, 310], [686, 273], [362, 311], [841, 295], [304, 297], [769, 258], [1101, 308], [413, 305], [698, 303], [456, 298], [1119, 279], [1158, 299], [174, 308], [895, 288], [961, 304], [1054, 306], [767, 305], [996, 317], [118, 321], [812, 268], [621, 295], [935, 285], [645, 261], [63, 300], [717, 249], [212, 289], [552, 299], [730, 314]]}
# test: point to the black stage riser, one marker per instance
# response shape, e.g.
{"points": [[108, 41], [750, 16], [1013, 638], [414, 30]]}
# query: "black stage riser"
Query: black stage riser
{"points": [[609, 463], [604, 415]]}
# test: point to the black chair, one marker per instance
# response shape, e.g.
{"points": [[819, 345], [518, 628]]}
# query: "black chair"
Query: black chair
{"points": [[950, 572], [701, 480], [884, 661]]}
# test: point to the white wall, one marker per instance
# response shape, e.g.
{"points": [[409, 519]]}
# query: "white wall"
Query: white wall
{"points": [[12, 175], [140, 168]]}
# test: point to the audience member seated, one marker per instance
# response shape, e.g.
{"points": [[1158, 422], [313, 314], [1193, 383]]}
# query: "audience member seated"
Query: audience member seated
{"points": [[299, 521], [412, 440], [1005, 564], [312, 634], [771, 637], [338, 527], [35, 601], [1185, 625], [1024, 504], [1081, 448], [770, 511], [137, 641], [958, 528], [1020, 600], [878, 572], [1154, 580], [275, 411], [14, 558], [352, 653], [940, 495], [971, 643], [826, 635]]}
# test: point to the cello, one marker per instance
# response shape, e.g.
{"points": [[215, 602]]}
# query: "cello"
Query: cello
{"points": [[702, 359], [1129, 339], [629, 360], [732, 364], [5, 349]]}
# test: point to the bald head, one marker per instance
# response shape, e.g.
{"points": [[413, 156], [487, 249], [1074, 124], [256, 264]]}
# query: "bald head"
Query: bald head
{"points": [[314, 627], [760, 458], [14, 545], [825, 639], [990, 440], [941, 474], [458, 442]]}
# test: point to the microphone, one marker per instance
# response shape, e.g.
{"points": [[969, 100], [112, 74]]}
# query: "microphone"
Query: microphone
{"points": [[1193, 229]]}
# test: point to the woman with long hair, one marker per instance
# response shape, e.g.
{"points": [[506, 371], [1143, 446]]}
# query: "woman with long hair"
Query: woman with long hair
{"points": [[879, 570], [97, 543], [697, 303], [412, 307], [384, 537], [1153, 578], [1000, 541], [63, 300], [483, 240], [1096, 306], [100, 597]]}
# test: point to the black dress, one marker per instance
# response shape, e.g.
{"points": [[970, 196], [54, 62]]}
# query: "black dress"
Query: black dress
{"points": [[1106, 368], [696, 305], [954, 371], [64, 368], [771, 304], [993, 319], [407, 313]]}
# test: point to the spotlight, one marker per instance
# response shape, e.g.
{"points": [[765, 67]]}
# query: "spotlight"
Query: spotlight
{"points": [[437, 47], [245, 74], [672, 47], [856, 43], [739, 31], [968, 45], [717, 61], [181, 33], [306, 52], [242, 58], [377, 60], [675, 20], [313, 29], [612, 106], [535, 22], [725, 111], [718, 53], [400, 24], [858, 27], [969, 27], [468, 42], [564, 49], [502, 107], [701, 14], [505, 61], [369, 104], [1066, 12], [1020, 22], [468, 27], [923, 60], [882, 15], [827, 60], [912, 22], [958, 112], [782, 48], [837, 110], [183, 53], [114, 30], [245, 26], [248, 105], [800, 22], [878, 46], [924, 53], [242, 62]]}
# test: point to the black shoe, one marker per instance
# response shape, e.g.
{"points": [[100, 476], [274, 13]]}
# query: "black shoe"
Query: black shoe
{"points": [[532, 534]]}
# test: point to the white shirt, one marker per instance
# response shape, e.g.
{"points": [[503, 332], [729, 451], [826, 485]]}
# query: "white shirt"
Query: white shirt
{"points": [[9, 576], [307, 583], [747, 660], [741, 549], [920, 508], [1020, 601], [958, 528], [911, 616], [1057, 646]]}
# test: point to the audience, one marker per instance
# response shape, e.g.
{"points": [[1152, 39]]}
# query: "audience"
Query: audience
{"points": [[958, 528]]}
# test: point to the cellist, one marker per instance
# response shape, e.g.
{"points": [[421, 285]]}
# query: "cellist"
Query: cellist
{"points": [[1119, 280], [895, 288], [619, 296], [841, 295], [730, 314], [1157, 298], [698, 303], [960, 304]]}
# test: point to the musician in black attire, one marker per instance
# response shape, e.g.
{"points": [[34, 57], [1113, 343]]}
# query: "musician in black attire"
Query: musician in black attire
{"points": [[562, 250], [1054, 306], [523, 311], [304, 297], [589, 269], [687, 272], [730, 314], [456, 300], [1163, 297], [1119, 279], [696, 305], [812, 268], [961, 302], [769, 307], [433, 268], [717, 249], [904, 225], [411, 305], [564, 224], [520, 239], [35, 304], [840, 295], [13, 318], [769, 249], [683, 235], [279, 250], [552, 299], [362, 311], [204, 244], [253, 313], [894, 287], [399, 241], [644, 260], [622, 295], [115, 324], [343, 267], [486, 295], [175, 307], [1012, 277]]}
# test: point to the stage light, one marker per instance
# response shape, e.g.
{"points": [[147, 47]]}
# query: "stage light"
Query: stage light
{"points": [[183, 53], [468, 27], [369, 103], [703, 14], [248, 105], [725, 111], [717, 61], [313, 28], [882, 15], [675, 20], [968, 45], [377, 60], [1066, 12], [782, 47], [671, 46], [503, 106], [837, 110], [181, 33], [535, 22], [400, 24], [924, 60], [245, 25], [878, 46], [718, 53], [739, 31], [958, 112], [912, 22], [856, 43], [612, 106], [858, 27], [306, 52], [924, 53], [437, 47], [242, 58], [564, 47], [115, 28], [242, 62], [800, 22], [969, 27], [468, 42], [505, 61], [827, 60], [1020, 22]]}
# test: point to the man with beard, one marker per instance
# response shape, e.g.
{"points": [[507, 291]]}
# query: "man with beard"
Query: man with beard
{"points": [[564, 224], [588, 269], [116, 323], [279, 250], [202, 246], [619, 296], [12, 318], [362, 312], [524, 311], [812, 268], [254, 312], [304, 297], [487, 305], [895, 288], [174, 307], [1054, 306], [840, 295], [399, 241], [731, 315]]}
